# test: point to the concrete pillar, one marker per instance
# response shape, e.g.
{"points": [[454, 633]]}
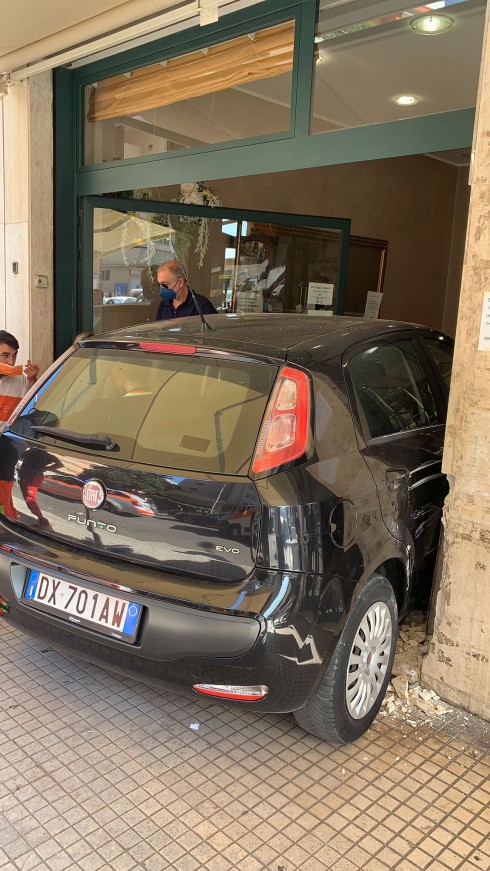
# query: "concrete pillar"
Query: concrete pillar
{"points": [[457, 665], [26, 217]]}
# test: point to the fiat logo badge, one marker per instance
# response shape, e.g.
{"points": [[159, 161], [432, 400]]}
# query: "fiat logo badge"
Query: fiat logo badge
{"points": [[93, 494]]}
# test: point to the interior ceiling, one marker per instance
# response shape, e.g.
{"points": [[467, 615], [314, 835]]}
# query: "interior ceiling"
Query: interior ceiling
{"points": [[359, 74], [456, 157]]}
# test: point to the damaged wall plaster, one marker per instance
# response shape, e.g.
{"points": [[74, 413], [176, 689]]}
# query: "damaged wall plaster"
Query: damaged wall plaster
{"points": [[456, 666]]}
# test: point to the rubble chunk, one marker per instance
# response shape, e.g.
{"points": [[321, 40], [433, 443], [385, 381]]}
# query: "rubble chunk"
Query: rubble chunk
{"points": [[424, 706], [402, 666], [405, 699], [426, 695], [400, 685]]}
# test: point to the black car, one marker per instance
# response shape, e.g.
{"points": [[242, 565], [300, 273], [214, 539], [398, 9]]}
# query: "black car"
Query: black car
{"points": [[286, 473]]}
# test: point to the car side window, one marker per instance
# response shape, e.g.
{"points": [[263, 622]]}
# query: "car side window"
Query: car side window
{"points": [[391, 389], [442, 355]]}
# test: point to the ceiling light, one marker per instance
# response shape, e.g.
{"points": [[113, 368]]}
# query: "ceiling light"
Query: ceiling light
{"points": [[431, 25], [319, 38], [406, 100]]}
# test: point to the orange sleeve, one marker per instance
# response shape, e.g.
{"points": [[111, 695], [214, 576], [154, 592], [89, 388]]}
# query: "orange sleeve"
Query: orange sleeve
{"points": [[7, 406]]}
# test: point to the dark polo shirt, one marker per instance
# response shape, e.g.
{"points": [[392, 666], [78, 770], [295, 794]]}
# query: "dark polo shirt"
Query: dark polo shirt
{"points": [[166, 311]]}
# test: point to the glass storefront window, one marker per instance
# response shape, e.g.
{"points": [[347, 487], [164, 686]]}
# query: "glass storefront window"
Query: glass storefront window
{"points": [[230, 91], [249, 265], [410, 61], [277, 268]]}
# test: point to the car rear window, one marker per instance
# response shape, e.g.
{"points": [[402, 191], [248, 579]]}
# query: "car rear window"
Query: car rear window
{"points": [[193, 413]]}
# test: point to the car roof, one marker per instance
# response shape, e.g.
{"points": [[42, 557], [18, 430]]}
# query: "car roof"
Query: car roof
{"points": [[269, 335]]}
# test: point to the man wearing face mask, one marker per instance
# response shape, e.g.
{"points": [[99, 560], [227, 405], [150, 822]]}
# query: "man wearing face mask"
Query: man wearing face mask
{"points": [[176, 297]]}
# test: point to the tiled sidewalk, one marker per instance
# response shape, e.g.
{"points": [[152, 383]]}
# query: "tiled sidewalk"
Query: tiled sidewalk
{"points": [[99, 772]]}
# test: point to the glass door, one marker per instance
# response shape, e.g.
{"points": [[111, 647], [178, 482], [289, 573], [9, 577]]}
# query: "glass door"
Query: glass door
{"points": [[242, 261]]}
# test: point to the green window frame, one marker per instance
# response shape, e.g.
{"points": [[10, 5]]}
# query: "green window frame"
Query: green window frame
{"points": [[303, 15], [291, 150]]}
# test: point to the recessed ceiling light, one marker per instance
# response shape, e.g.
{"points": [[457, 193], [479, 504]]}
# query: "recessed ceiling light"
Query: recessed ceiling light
{"points": [[406, 100], [431, 25]]}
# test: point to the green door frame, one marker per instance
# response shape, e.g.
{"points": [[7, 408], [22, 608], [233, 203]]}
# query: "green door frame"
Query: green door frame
{"points": [[120, 204], [291, 150]]}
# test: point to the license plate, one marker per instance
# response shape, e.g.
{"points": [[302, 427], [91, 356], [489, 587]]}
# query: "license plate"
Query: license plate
{"points": [[116, 617]]}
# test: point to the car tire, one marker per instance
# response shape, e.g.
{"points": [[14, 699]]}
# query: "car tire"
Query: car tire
{"points": [[354, 684]]}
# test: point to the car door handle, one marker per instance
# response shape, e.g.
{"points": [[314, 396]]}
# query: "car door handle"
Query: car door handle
{"points": [[395, 478]]}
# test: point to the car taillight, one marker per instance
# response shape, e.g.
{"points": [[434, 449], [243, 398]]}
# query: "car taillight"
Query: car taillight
{"points": [[167, 348], [285, 429]]}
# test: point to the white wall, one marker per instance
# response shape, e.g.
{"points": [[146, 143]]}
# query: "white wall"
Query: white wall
{"points": [[26, 216]]}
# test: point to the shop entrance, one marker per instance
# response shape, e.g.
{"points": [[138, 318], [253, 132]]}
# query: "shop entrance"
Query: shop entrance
{"points": [[243, 261]]}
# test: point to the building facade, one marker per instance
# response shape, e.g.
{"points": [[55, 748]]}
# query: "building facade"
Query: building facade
{"points": [[272, 146]]}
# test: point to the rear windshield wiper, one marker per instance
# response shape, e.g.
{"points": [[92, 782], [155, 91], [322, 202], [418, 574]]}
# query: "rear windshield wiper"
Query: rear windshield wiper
{"points": [[87, 441]]}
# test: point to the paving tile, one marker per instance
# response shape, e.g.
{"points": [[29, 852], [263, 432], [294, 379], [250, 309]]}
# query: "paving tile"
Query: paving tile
{"points": [[123, 862], [105, 775], [478, 860], [376, 865]]}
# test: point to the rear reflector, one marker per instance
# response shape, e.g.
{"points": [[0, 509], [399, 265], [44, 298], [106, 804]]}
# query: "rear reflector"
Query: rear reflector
{"points": [[228, 691], [167, 348], [285, 430]]}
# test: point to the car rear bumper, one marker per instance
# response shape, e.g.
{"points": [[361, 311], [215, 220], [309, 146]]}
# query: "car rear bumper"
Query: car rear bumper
{"points": [[281, 644]]}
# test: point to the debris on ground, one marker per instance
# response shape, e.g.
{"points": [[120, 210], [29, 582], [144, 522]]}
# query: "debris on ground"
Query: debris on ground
{"points": [[405, 698]]}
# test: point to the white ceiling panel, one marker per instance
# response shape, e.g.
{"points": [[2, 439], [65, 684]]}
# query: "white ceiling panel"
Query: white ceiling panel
{"points": [[27, 21]]}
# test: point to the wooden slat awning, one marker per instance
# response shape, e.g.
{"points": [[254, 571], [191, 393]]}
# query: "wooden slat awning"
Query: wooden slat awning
{"points": [[262, 55]]}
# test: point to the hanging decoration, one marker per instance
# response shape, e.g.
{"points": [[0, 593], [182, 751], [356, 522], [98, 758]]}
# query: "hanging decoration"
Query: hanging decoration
{"points": [[139, 227], [136, 231], [184, 226]]}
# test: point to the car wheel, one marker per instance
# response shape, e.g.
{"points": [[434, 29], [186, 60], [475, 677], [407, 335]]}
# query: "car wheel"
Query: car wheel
{"points": [[354, 684]]}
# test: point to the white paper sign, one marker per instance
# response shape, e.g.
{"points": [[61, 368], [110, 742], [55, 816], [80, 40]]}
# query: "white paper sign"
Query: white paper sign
{"points": [[319, 293], [249, 301], [484, 341], [373, 303]]}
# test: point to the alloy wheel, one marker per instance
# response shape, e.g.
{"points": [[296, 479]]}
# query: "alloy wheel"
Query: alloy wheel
{"points": [[368, 660]]}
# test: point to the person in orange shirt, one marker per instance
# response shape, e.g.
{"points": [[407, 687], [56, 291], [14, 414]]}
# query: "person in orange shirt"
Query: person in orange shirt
{"points": [[15, 381]]}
